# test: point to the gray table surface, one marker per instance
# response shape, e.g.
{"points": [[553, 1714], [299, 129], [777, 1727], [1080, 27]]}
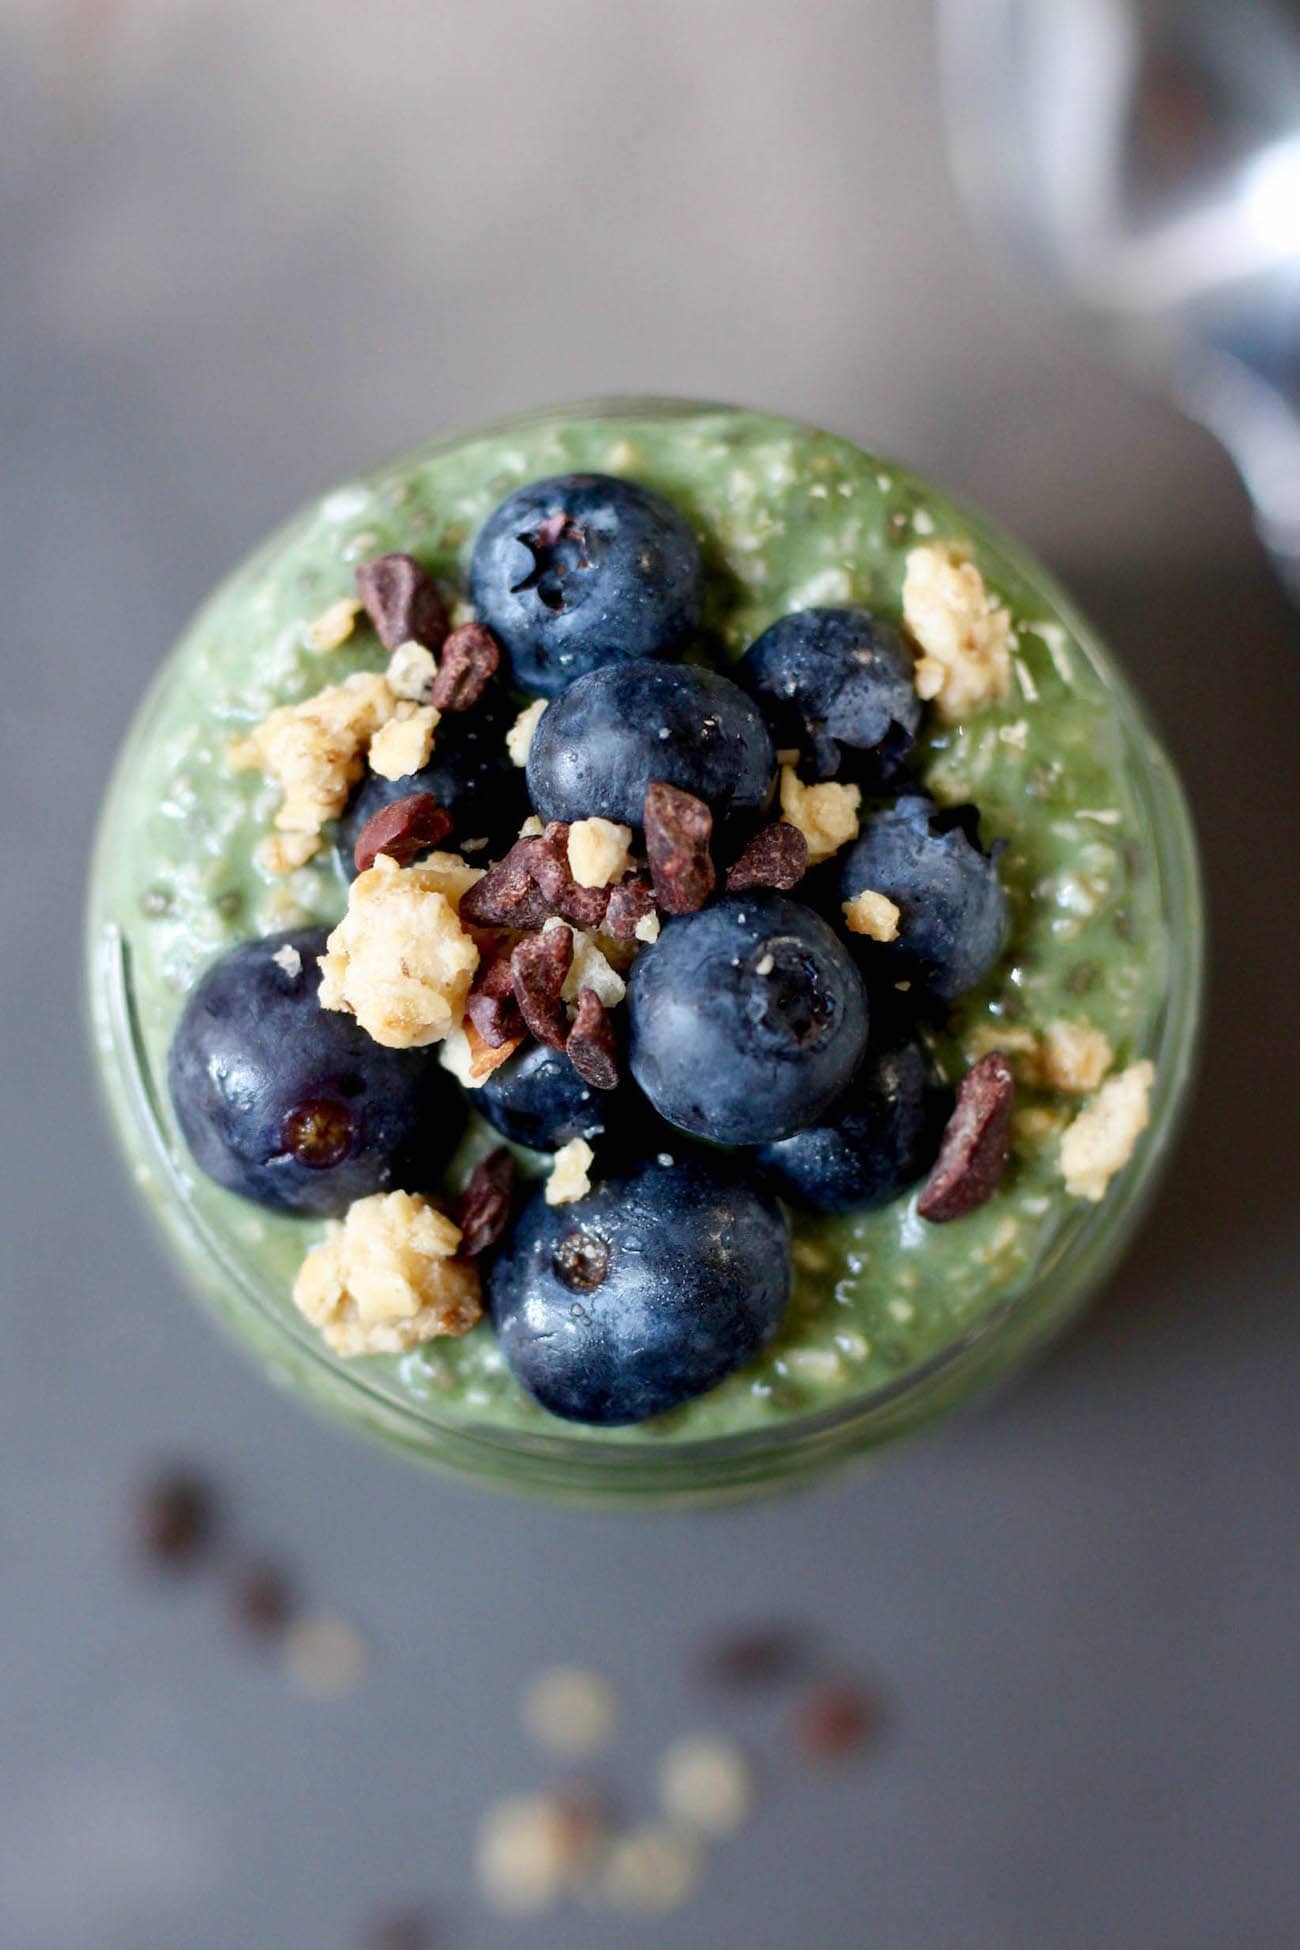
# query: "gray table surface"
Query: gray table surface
{"points": [[246, 249]]}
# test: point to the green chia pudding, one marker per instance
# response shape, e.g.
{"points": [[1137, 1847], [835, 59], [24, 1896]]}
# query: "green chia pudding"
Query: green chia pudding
{"points": [[1077, 1063]]}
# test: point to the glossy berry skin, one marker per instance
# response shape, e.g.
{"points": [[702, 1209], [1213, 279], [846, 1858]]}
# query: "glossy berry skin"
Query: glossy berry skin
{"points": [[952, 906], [643, 1294], [745, 1020], [615, 731], [470, 775], [878, 1138], [295, 1106], [584, 570], [537, 1098], [835, 680]]}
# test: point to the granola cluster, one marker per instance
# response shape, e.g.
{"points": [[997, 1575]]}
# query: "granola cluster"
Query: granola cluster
{"points": [[316, 750], [873, 915], [399, 960], [388, 1278], [963, 632], [826, 815], [1104, 1135]]}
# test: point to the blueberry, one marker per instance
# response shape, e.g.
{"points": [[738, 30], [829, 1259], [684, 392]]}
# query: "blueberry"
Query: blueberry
{"points": [[643, 1294], [294, 1105], [833, 678], [585, 570], [613, 732], [745, 1020], [953, 919], [537, 1098], [878, 1138], [470, 775]]}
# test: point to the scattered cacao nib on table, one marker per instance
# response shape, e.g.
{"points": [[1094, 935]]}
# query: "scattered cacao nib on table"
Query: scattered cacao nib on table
{"points": [[973, 1152], [406, 1929], [749, 1660], [175, 1523], [836, 1721], [260, 1598], [175, 1518], [402, 601], [405, 829]]}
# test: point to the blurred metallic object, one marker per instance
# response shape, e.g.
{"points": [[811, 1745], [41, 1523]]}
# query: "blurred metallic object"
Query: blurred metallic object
{"points": [[1144, 156]]}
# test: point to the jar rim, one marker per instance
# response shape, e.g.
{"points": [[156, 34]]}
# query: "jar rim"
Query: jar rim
{"points": [[1084, 1249]]}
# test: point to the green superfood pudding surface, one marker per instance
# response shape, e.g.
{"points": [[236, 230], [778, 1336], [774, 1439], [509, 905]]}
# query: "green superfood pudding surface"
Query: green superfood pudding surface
{"points": [[787, 519]]}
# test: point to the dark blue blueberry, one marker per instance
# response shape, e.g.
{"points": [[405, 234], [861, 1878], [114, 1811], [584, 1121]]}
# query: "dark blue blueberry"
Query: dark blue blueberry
{"points": [[537, 1098], [643, 1294], [953, 910], [745, 1020], [612, 733], [293, 1105], [833, 678], [471, 776], [585, 570], [874, 1142]]}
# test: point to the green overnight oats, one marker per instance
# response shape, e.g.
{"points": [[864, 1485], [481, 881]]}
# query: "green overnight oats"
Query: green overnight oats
{"points": [[890, 1318]]}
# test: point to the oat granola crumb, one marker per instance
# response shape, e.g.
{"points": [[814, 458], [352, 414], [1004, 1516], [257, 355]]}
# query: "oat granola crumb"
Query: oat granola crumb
{"points": [[964, 633], [650, 1869], [1069, 1056], [411, 671], [826, 815], [590, 968], [387, 1278], [528, 1851], [403, 745], [598, 851], [569, 1179], [399, 960], [570, 1710], [325, 1657], [706, 1784], [281, 853], [450, 875], [872, 914], [333, 626], [288, 959], [1074, 1056], [647, 928], [1104, 1135], [519, 738], [532, 828], [315, 750]]}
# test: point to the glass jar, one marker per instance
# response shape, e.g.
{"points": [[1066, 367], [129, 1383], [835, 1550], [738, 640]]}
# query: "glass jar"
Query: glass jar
{"points": [[209, 1237]]}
